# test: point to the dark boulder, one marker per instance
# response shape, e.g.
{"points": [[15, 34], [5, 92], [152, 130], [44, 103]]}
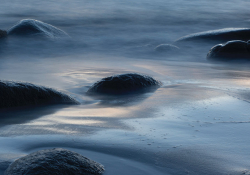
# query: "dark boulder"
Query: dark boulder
{"points": [[3, 34], [14, 94], [55, 161], [123, 84], [34, 28], [232, 50]]}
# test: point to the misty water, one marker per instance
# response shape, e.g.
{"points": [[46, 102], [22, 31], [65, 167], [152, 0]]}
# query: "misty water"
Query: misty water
{"points": [[196, 123]]}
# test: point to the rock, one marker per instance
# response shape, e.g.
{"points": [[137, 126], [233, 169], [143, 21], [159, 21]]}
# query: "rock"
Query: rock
{"points": [[55, 161], [3, 34], [231, 50], [122, 84], [167, 48], [215, 36], [14, 94], [38, 29]]}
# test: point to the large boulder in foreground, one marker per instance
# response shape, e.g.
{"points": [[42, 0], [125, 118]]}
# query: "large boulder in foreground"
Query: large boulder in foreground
{"points": [[14, 94], [123, 84], [215, 36], [232, 50], [55, 161], [38, 29]]}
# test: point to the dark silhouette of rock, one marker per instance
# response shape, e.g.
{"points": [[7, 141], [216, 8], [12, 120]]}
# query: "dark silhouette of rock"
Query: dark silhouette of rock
{"points": [[231, 50], [14, 94], [35, 28], [3, 34], [55, 161], [221, 35], [122, 84], [167, 48]]}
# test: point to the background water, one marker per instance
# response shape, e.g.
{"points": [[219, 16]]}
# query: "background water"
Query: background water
{"points": [[196, 123]]}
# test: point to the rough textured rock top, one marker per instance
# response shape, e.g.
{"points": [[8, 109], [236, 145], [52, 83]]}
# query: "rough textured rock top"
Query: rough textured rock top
{"points": [[13, 94], [231, 50], [35, 28], [55, 161], [122, 84], [221, 35]]}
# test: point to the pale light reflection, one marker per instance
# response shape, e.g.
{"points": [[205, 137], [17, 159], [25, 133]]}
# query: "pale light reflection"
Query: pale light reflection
{"points": [[58, 130], [66, 121], [98, 112], [76, 120]]}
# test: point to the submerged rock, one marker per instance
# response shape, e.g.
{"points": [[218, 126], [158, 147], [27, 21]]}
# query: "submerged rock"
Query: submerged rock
{"points": [[231, 50], [35, 28], [3, 34], [221, 35], [167, 48], [122, 84], [14, 94], [55, 161]]}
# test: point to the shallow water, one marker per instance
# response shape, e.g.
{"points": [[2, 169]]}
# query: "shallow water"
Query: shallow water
{"points": [[196, 123]]}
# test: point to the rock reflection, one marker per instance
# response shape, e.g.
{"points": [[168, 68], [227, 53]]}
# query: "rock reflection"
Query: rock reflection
{"points": [[26, 114]]}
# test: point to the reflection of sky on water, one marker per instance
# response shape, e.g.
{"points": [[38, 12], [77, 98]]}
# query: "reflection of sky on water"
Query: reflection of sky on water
{"points": [[196, 81], [198, 118]]}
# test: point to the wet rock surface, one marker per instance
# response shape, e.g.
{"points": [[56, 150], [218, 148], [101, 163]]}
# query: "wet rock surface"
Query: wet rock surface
{"points": [[123, 84], [232, 50], [55, 161], [3, 34], [220, 35], [14, 94], [38, 29], [167, 48]]}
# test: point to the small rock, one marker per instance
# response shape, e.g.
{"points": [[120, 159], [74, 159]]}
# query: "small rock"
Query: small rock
{"points": [[55, 161], [122, 84]]}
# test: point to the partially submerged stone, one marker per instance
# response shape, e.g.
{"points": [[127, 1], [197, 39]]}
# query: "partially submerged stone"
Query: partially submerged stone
{"points": [[3, 34], [14, 94], [221, 35], [35, 28], [55, 161], [167, 48], [123, 84], [232, 50]]}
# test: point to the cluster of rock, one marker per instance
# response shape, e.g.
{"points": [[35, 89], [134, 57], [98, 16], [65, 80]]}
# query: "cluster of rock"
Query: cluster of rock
{"points": [[55, 161], [233, 44], [37, 29], [18, 94], [60, 161]]}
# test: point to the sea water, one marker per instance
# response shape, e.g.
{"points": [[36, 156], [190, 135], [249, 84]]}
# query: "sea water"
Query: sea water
{"points": [[196, 123]]}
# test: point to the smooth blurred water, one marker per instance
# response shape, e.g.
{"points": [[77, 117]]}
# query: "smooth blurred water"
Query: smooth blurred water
{"points": [[124, 27], [196, 123]]}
